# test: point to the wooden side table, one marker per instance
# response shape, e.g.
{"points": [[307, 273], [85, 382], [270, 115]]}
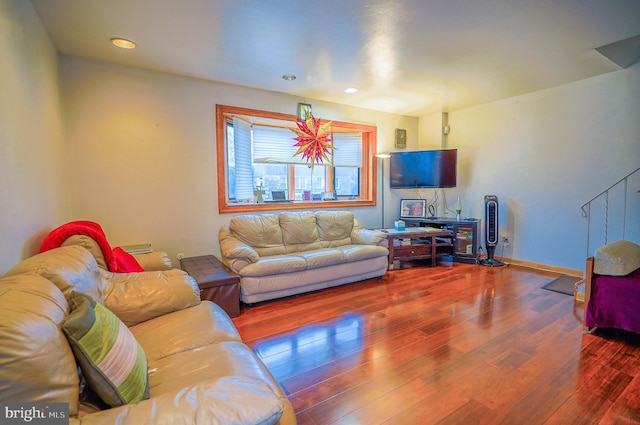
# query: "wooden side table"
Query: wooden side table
{"points": [[217, 282], [423, 244]]}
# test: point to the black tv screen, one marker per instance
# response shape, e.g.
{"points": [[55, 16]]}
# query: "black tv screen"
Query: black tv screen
{"points": [[435, 168]]}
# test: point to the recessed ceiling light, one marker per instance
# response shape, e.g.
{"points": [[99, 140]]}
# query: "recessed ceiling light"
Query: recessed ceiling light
{"points": [[351, 90], [123, 43], [288, 77]]}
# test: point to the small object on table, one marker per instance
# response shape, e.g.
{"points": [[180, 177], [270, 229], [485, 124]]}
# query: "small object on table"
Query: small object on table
{"points": [[259, 194], [217, 282]]}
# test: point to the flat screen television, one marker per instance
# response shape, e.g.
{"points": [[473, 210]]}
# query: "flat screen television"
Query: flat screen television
{"points": [[419, 169]]}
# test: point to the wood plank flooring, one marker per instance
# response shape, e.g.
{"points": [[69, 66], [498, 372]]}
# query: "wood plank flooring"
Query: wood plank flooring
{"points": [[453, 344]]}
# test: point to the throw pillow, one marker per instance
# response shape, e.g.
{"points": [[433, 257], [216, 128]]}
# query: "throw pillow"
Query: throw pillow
{"points": [[111, 360], [617, 258]]}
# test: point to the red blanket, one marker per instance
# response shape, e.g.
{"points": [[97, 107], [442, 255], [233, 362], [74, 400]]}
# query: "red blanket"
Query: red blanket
{"points": [[118, 261]]}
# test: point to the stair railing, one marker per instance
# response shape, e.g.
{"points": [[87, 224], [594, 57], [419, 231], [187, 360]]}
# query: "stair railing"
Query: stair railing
{"points": [[604, 195]]}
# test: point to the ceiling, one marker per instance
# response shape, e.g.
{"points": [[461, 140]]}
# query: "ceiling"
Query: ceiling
{"points": [[410, 57]]}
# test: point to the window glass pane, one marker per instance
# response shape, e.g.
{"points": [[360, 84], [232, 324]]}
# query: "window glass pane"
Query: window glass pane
{"points": [[271, 177], [347, 181], [305, 180]]}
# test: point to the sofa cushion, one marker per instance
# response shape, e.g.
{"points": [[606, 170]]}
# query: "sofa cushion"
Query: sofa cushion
{"points": [[187, 329], [617, 258], [70, 268], [323, 258], [91, 245], [36, 362], [275, 265], [111, 360], [136, 297], [228, 371], [257, 230], [299, 228], [363, 252], [335, 226]]}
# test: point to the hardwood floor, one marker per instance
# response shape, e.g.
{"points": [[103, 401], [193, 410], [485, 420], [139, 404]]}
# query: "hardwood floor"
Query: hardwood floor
{"points": [[457, 344]]}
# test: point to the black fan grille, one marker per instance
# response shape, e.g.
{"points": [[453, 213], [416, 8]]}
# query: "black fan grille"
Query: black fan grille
{"points": [[492, 223]]}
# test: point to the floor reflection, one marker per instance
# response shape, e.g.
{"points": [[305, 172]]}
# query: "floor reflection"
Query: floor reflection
{"points": [[486, 307], [312, 345]]}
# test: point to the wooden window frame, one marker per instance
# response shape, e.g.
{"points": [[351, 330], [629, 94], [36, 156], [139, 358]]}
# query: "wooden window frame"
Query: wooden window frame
{"points": [[368, 183]]}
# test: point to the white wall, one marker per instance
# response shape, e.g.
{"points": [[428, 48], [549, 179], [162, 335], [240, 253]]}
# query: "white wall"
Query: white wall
{"points": [[142, 150], [139, 154], [430, 131], [33, 197], [544, 155]]}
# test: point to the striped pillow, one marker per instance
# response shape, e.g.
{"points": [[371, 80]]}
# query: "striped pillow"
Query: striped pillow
{"points": [[111, 360]]}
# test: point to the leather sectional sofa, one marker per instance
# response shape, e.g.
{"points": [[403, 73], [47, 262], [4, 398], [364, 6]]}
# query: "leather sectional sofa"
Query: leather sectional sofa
{"points": [[278, 255], [127, 348]]}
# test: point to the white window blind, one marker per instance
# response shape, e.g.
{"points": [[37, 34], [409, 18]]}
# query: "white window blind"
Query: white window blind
{"points": [[348, 150], [244, 168], [274, 145]]}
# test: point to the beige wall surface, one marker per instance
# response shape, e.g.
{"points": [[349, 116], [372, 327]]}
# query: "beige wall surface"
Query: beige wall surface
{"points": [[544, 155], [143, 150], [135, 151], [33, 196]]}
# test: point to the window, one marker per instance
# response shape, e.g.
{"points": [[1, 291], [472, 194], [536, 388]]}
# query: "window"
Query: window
{"points": [[256, 160], [347, 161]]}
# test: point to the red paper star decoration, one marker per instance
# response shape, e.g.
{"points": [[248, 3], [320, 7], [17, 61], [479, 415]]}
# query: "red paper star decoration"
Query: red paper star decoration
{"points": [[314, 140]]}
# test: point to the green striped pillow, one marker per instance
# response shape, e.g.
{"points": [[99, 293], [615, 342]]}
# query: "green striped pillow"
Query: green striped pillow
{"points": [[111, 360]]}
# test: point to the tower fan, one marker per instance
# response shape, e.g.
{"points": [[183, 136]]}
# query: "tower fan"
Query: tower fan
{"points": [[491, 230]]}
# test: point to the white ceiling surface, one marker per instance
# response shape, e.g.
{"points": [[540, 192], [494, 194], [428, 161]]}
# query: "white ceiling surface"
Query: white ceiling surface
{"points": [[411, 57]]}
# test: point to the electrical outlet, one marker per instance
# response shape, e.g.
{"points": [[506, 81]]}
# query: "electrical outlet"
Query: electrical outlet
{"points": [[505, 241]]}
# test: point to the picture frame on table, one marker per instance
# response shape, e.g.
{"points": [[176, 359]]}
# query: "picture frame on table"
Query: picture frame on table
{"points": [[413, 208]]}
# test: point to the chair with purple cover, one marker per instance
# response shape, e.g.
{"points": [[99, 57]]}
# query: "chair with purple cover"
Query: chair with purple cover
{"points": [[612, 288]]}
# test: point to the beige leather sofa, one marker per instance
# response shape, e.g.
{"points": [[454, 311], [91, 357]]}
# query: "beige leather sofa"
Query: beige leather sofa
{"points": [[198, 369], [284, 254]]}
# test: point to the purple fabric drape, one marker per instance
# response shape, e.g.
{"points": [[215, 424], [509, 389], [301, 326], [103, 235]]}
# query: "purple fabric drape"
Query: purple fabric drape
{"points": [[615, 302]]}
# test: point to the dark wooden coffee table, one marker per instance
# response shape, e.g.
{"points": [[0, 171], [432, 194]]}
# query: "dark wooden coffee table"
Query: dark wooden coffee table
{"points": [[423, 243], [217, 282]]}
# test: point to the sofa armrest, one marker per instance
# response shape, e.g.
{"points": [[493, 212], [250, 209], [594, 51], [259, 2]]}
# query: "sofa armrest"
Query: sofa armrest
{"points": [[235, 253], [137, 297], [360, 236], [157, 260]]}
